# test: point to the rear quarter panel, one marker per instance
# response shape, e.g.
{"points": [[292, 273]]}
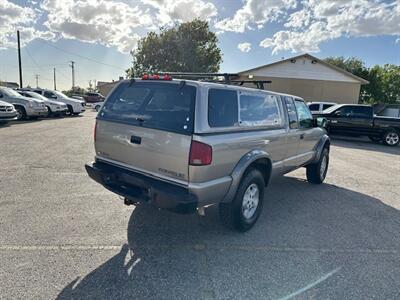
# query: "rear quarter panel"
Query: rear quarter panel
{"points": [[229, 148]]}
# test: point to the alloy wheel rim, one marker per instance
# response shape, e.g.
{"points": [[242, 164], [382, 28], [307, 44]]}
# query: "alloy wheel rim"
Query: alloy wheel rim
{"points": [[392, 138], [250, 201], [19, 114]]}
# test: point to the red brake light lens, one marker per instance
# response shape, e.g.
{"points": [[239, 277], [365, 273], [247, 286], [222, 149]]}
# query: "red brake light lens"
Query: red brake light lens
{"points": [[200, 154]]}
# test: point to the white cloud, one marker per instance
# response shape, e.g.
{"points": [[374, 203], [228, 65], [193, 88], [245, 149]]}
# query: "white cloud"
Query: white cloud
{"points": [[13, 17], [322, 20], [170, 11], [244, 47], [256, 12], [111, 23]]}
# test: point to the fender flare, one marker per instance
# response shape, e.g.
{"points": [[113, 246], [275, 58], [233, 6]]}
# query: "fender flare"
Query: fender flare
{"points": [[241, 168], [324, 141]]}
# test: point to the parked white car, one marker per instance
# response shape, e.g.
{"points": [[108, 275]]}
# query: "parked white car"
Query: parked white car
{"points": [[318, 107], [97, 105], [25, 107], [75, 107], [55, 108], [7, 112]]}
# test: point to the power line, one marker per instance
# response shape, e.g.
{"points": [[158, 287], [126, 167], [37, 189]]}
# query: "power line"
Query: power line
{"points": [[81, 56]]}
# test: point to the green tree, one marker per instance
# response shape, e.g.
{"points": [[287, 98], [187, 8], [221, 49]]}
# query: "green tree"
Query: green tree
{"points": [[188, 47], [77, 91]]}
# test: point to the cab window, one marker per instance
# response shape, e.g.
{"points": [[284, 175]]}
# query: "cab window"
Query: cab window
{"points": [[49, 95], [314, 107], [304, 114], [292, 114], [362, 112]]}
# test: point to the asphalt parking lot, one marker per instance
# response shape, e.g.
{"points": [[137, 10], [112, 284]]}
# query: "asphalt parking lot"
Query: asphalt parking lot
{"points": [[64, 236]]}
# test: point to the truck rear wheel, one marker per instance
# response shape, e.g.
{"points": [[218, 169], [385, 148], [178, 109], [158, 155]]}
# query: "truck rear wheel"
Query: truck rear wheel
{"points": [[242, 213], [391, 138], [316, 172]]}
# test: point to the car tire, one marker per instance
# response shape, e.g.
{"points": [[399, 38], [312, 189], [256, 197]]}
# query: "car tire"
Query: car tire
{"points": [[49, 112], [70, 110], [97, 108], [375, 139], [391, 138], [21, 113], [316, 172], [242, 213]]}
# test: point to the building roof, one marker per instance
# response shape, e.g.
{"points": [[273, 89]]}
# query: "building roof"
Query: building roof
{"points": [[312, 58]]}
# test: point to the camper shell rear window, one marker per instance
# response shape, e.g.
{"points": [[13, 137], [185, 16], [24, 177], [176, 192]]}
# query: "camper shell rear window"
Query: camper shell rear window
{"points": [[167, 106]]}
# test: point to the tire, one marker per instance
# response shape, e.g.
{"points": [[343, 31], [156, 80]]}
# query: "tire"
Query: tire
{"points": [[316, 172], [242, 213], [97, 108], [391, 138], [49, 112], [21, 113], [70, 110], [375, 139]]}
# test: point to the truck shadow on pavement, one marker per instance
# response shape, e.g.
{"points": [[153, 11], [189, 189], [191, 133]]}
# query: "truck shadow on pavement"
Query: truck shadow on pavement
{"points": [[320, 241]]}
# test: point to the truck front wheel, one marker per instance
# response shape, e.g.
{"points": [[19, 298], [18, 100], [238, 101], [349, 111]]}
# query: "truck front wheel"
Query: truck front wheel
{"points": [[391, 138], [242, 213]]}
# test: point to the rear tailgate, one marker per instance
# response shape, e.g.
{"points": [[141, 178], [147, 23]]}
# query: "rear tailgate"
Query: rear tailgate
{"points": [[147, 126]]}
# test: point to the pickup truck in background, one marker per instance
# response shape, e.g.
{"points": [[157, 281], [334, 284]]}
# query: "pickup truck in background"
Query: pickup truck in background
{"points": [[360, 120]]}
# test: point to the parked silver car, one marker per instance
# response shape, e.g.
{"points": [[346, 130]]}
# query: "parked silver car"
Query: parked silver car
{"points": [[25, 107], [7, 112], [75, 107], [55, 108], [184, 145]]}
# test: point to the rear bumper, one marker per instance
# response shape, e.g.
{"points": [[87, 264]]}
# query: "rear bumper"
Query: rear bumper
{"points": [[144, 189]]}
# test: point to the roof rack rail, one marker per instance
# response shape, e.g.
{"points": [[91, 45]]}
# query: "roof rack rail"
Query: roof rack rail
{"points": [[229, 78]]}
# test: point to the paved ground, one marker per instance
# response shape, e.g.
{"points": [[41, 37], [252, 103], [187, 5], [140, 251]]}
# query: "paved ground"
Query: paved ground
{"points": [[63, 236]]}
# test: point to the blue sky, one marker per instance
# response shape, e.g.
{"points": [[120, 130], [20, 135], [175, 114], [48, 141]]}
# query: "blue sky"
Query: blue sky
{"points": [[98, 35]]}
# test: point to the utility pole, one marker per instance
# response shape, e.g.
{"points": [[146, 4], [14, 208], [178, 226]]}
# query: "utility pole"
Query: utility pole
{"points": [[37, 80], [19, 60], [54, 78], [73, 74]]}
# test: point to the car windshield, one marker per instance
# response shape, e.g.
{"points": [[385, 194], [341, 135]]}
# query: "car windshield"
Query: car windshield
{"points": [[331, 109], [59, 94], [10, 92], [35, 95]]}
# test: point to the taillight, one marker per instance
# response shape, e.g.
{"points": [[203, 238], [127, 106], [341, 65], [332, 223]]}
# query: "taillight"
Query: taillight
{"points": [[200, 154], [95, 131]]}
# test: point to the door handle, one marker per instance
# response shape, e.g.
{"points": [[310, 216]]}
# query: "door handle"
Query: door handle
{"points": [[136, 140], [302, 136]]}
